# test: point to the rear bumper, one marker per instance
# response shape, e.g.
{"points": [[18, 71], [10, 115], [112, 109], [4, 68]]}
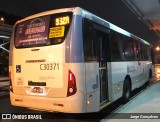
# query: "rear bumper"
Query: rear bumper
{"points": [[72, 104]]}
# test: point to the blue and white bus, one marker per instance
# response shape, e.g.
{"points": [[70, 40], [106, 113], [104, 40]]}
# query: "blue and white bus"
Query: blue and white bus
{"points": [[70, 60]]}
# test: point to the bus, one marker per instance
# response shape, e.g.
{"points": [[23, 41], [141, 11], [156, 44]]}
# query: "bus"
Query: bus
{"points": [[70, 60]]}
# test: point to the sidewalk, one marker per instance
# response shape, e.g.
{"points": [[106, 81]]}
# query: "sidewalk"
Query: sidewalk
{"points": [[146, 103]]}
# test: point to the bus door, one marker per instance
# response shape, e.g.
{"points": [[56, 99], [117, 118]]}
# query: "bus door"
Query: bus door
{"points": [[102, 40]]}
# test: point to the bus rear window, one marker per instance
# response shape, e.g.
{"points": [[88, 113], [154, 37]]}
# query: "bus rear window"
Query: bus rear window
{"points": [[43, 31]]}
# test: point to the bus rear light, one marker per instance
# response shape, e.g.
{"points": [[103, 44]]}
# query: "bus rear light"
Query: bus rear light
{"points": [[72, 89], [10, 81]]}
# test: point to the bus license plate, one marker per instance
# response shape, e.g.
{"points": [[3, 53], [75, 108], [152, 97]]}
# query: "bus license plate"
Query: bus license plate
{"points": [[37, 90]]}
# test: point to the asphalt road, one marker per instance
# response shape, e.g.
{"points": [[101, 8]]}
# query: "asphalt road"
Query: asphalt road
{"points": [[6, 107]]}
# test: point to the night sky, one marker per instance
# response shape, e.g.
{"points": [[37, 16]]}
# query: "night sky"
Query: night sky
{"points": [[113, 11]]}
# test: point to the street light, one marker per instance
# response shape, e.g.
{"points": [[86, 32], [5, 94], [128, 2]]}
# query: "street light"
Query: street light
{"points": [[157, 48], [2, 20]]}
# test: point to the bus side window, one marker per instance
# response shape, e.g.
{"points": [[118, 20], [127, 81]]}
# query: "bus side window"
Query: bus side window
{"points": [[102, 44], [116, 46], [135, 49], [145, 52], [142, 51], [128, 48], [138, 50], [88, 41], [148, 53]]}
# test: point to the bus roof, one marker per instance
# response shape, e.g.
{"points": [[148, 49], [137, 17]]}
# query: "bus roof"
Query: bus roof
{"points": [[84, 13], [103, 22]]}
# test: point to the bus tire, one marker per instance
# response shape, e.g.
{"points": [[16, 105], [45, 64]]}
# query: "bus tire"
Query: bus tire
{"points": [[126, 90]]}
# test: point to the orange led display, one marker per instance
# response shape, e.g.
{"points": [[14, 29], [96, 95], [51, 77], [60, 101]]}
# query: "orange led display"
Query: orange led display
{"points": [[62, 20]]}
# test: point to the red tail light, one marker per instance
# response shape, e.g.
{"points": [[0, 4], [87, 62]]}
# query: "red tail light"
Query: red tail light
{"points": [[10, 81], [72, 89]]}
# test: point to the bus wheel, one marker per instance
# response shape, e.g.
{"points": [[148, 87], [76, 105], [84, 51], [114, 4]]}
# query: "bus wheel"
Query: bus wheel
{"points": [[126, 91]]}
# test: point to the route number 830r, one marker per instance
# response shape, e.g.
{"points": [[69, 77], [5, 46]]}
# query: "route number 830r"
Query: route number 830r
{"points": [[49, 66]]}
